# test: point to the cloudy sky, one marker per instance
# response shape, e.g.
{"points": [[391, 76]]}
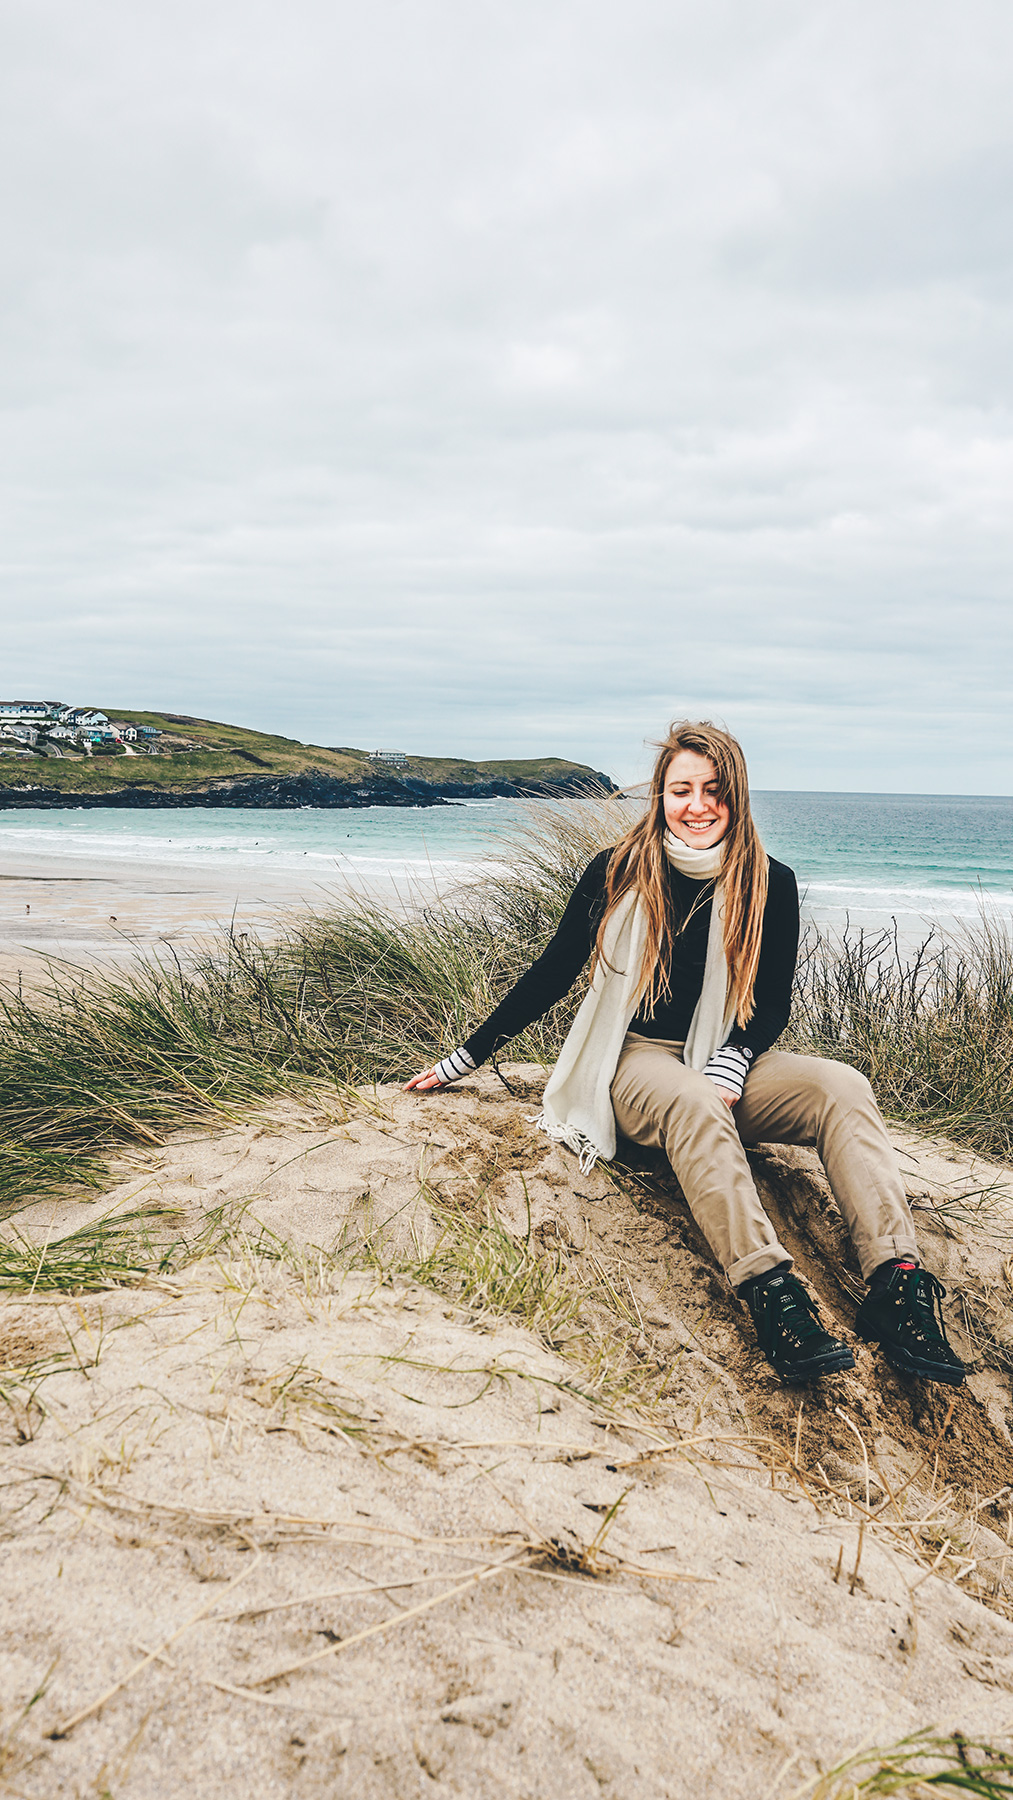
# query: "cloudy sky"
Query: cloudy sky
{"points": [[502, 377]]}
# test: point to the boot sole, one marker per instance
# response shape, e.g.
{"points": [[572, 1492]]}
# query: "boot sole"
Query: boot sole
{"points": [[903, 1362], [793, 1374]]}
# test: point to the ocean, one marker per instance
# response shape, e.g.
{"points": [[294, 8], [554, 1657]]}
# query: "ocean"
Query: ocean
{"points": [[863, 858]]}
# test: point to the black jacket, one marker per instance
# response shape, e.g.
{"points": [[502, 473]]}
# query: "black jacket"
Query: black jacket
{"points": [[560, 963]]}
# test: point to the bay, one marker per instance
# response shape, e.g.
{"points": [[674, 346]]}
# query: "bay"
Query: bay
{"points": [[858, 857]]}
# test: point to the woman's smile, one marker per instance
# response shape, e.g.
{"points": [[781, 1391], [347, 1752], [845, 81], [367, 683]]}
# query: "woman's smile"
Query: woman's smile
{"points": [[694, 808]]}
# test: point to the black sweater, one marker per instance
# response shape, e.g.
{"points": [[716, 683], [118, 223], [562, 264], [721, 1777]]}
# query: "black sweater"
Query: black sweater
{"points": [[556, 970]]}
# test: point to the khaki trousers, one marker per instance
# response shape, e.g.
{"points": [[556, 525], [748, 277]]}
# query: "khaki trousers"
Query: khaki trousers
{"points": [[787, 1100]]}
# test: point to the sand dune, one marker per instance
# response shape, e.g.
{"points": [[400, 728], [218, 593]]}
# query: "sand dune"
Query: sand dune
{"points": [[327, 1527]]}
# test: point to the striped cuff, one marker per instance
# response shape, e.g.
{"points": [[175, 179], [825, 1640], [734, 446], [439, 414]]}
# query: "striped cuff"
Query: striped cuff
{"points": [[728, 1068], [454, 1066]]}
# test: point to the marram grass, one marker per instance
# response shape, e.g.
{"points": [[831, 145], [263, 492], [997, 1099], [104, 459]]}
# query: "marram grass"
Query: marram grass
{"points": [[927, 1763], [933, 1030], [362, 995], [119, 1250]]}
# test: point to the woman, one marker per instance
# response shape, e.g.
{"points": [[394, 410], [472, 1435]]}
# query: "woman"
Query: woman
{"points": [[693, 934]]}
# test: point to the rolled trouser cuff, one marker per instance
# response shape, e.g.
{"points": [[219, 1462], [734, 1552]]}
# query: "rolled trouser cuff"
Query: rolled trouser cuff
{"points": [[758, 1262], [874, 1252]]}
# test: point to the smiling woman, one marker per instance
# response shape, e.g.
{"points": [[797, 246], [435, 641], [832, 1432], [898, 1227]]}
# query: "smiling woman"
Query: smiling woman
{"points": [[695, 808], [692, 932]]}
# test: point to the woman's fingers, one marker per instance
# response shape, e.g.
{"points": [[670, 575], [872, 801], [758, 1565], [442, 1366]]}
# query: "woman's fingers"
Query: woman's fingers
{"points": [[428, 1079]]}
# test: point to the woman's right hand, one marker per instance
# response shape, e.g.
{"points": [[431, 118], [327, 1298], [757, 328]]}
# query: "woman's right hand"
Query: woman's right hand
{"points": [[423, 1083]]}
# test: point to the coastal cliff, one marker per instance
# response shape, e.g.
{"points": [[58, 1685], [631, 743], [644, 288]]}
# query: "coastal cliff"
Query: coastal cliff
{"points": [[312, 788], [203, 763]]}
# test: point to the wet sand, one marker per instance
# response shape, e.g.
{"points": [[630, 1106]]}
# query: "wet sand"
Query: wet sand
{"points": [[83, 912]]}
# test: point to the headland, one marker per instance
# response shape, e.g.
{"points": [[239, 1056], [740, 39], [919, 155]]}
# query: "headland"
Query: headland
{"points": [[168, 760]]}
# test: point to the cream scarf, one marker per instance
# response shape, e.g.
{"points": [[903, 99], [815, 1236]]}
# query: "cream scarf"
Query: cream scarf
{"points": [[577, 1103]]}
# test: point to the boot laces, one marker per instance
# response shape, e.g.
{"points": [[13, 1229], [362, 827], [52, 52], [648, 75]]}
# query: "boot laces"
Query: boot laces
{"points": [[793, 1313], [921, 1297]]}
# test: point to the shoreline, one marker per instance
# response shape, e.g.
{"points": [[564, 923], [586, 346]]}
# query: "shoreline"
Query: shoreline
{"points": [[102, 891], [102, 911]]}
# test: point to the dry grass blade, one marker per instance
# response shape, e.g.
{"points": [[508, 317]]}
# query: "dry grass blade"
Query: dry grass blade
{"points": [[583, 1559], [300, 1397], [402, 1618], [13, 1758], [342, 1593], [86, 1712]]}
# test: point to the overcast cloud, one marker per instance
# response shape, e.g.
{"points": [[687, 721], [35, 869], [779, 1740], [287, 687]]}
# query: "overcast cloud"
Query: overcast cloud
{"points": [[501, 377]]}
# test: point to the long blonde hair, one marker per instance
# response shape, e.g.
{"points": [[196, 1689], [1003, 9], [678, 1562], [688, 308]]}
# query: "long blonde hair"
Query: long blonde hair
{"points": [[638, 861]]}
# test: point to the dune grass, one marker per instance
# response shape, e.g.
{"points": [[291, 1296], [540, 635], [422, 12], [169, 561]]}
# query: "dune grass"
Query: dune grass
{"points": [[90, 1065], [363, 995], [932, 1030], [120, 1250], [926, 1763]]}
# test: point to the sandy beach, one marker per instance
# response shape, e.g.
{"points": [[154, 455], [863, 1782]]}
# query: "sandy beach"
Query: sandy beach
{"points": [[92, 912], [86, 888]]}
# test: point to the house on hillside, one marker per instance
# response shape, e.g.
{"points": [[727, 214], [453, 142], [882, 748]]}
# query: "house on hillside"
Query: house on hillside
{"points": [[84, 718], [134, 734], [31, 711], [392, 759]]}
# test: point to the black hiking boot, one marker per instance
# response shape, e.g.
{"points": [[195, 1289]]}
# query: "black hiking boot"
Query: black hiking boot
{"points": [[788, 1328], [905, 1319]]}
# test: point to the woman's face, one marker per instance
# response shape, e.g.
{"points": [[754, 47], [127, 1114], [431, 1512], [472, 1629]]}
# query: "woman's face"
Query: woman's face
{"points": [[693, 810]]}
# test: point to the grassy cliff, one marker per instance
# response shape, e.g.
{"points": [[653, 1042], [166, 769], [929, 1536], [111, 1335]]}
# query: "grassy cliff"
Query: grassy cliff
{"points": [[204, 754]]}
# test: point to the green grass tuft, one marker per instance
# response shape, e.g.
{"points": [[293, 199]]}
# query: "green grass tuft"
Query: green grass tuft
{"points": [[480, 1264], [117, 1251], [926, 1763]]}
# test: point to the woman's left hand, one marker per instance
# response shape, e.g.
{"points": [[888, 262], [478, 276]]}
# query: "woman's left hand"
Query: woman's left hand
{"points": [[423, 1083]]}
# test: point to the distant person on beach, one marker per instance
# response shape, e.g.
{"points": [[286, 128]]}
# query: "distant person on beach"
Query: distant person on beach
{"points": [[692, 930]]}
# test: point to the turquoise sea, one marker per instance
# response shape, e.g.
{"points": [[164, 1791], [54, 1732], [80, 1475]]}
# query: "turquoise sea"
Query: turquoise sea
{"points": [[863, 857]]}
